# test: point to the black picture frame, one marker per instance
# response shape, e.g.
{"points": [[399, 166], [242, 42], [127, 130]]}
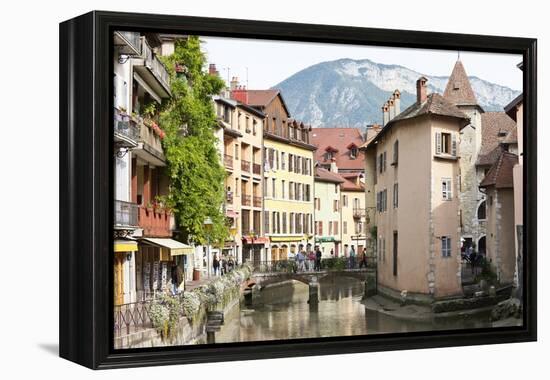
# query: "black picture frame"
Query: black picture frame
{"points": [[86, 177]]}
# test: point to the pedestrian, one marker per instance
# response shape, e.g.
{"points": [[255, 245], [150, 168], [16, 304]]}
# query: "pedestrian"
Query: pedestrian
{"points": [[224, 265], [472, 258], [363, 262], [174, 278], [311, 260], [300, 260], [352, 257], [230, 263], [318, 255], [216, 265]]}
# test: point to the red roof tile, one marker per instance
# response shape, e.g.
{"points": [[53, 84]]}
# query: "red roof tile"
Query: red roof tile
{"points": [[501, 173], [495, 127], [338, 139], [325, 175], [459, 90]]}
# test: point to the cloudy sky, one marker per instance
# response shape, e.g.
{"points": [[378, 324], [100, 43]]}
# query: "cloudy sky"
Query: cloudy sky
{"points": [[269, 62]]}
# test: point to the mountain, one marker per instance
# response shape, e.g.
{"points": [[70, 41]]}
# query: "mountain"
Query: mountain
{"points": [[350, 93]]}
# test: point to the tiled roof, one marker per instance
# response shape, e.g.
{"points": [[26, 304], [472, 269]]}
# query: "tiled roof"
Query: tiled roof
{"points": [[435, 104], [261, 98], [458, 90], [495, 126], [501, 173], [325, 175], [350, 185], [512, 137], [338, 139]]}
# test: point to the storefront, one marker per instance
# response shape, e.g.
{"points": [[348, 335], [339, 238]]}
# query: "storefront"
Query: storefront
{"points": [[124, 271], [328, 245], [253, 248], [155, 262]]}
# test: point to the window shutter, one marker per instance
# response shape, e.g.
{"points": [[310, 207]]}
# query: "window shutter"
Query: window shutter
{"points": [[384, 160], [453, 144], [450, 189], [437, 143]]}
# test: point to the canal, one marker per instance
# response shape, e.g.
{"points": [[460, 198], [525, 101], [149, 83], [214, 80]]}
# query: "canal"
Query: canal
{"points": [[282, 312]]}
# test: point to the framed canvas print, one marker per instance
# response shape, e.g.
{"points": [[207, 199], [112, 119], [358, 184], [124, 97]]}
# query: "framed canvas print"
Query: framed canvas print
{"points": [[237, 189]]}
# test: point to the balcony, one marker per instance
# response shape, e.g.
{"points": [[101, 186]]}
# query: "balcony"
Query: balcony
{"points": [[126, 130], [152, 70], [359, 213], [149, 146], [127, 42], [156, 222], [126, 215], [245, 166], [257, 201], [257, 169], [246, 200], [228, 161]]}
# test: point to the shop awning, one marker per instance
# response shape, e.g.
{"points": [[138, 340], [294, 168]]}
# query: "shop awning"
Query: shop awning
{"points": [[176, 248], [286, 238], [125, 245], [231, 214], [258, 240]]}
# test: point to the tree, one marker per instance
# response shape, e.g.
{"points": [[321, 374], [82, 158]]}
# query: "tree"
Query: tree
{"points": [[188, 119]]}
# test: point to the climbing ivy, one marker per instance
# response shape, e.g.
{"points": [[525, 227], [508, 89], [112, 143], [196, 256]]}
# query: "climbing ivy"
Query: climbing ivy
{"points": [[188, 119]]}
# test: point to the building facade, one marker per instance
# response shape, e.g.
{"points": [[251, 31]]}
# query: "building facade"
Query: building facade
{"points": [[328, 221], [288, 188], [242, 136], [418, 228]]}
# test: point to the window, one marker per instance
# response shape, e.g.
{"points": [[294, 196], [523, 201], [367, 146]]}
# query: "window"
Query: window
{"points": [[236, 187], [384, 160], [482, 211], [356, 203], [239, 121], [320, 228], [291, 190], [335, 206], [335, 227], [395, 152], [335, 188], [236, 151], [290, 162], [446, 246], [247, 130], [254, 126], [445, 143], [284, 222], [353, 152], [283, 162], [345, 200], [395, 195], [446, 189], [291, 223], [330, 228], [266, 222], [380, 158], [283, 188], [317, 202], [273, 188], [345, 227]]}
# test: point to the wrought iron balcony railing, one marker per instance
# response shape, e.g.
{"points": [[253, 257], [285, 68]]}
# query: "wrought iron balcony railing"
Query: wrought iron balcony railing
{"points": [[125, 129], [257, 201], [228, 161], [245, 165], [257, 169], [245, 199]]}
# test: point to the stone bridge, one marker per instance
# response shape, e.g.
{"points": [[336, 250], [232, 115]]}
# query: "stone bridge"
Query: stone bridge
{"points": [[259, 280]]}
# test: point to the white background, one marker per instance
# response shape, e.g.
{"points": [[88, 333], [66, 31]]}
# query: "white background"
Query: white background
{"points": [[29, 191]]}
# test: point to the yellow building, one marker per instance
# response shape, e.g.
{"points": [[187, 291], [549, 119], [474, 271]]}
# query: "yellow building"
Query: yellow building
{"points": [[288, 186]]}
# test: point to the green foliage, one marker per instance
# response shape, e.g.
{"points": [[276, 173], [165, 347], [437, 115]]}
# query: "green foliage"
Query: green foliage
{"points": [[487, 273], [196, 174]]}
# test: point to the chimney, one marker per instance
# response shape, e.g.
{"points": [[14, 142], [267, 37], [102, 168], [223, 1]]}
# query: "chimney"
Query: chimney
{"points": [[391, 108], [385, 113], [397, 102], [333, 167], [234, 83], [240, 94], [212, 69], [421, 90]]}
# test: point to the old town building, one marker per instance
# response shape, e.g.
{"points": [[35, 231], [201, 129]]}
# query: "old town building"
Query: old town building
{"points": [[241, 143], [328, 216], [144, 257], [499, 187], [287, 174], [418, 228]]}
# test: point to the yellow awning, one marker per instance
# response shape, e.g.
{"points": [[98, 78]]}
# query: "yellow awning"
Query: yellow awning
{"points": [[125, 246], [286, 238], [175, 247]]}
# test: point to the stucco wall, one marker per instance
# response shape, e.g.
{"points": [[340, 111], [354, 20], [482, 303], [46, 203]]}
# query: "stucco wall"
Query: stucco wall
{"points": [[327, 193]]}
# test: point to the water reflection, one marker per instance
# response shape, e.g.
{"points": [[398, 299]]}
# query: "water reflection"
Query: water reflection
{"points": [[282, 312]]}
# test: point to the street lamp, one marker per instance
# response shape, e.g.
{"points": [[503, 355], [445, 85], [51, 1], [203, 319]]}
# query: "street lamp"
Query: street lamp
{"points": [[208, 227]]}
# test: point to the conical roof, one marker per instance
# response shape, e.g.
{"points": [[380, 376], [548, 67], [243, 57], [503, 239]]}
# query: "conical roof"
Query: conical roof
{"points": [[459, 90]]}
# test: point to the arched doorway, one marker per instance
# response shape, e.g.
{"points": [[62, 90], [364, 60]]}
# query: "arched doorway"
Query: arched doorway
{"points": [[481, 246]]}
